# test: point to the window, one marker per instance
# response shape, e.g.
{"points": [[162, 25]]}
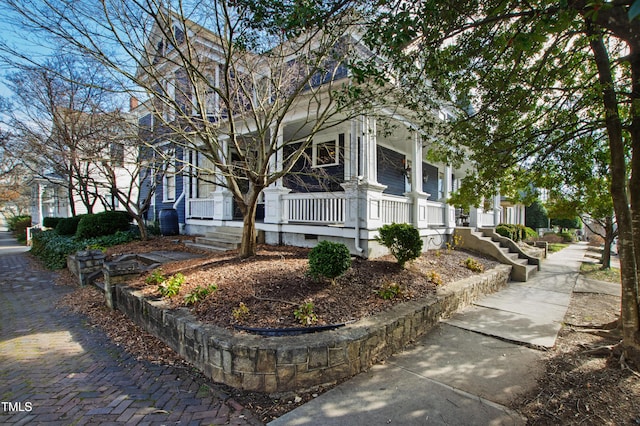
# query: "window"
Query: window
{"points": [[169, 182], [326, 154]]}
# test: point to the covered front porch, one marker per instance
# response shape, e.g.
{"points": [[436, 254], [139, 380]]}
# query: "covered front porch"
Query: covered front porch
{"points": [[381, 179]]}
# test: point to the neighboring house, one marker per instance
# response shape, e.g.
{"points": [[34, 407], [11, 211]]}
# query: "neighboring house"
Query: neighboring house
{"points": [[370, 178], [49, 198], [50, 195]]}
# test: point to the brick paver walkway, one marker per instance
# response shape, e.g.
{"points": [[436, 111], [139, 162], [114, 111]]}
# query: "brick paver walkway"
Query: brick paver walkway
{"points": [[56, 370]]}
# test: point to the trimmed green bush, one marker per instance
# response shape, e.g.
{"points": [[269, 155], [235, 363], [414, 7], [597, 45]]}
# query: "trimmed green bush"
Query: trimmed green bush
{"points": [[329, 259], [402, 240], [18, 225], [567, 237], [68, 225], [104, 223], [516, 232], [51, 222]]}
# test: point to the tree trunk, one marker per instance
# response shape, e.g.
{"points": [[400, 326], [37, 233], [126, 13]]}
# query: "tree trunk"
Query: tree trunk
{"points": [[248, 206], [629, 304], [608, 240], [144, 235]]}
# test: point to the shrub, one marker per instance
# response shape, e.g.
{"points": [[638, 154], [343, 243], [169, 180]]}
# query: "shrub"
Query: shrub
{"points": [[18, 225], [516, 232], [329, 259], [105, 223], [567, 237], [69, 225], [15, 222], [51, 222], [402, 240]]}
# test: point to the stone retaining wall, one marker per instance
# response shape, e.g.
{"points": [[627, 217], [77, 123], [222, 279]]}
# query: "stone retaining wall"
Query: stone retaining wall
{"points": [[86, 265], [293, 363]]}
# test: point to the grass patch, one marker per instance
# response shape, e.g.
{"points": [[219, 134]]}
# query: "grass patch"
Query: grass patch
{"points": [[593, 271], [554, 247]]}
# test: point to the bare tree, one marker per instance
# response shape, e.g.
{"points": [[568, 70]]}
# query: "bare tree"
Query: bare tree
{"points": [[59, 119], [247, 85]]}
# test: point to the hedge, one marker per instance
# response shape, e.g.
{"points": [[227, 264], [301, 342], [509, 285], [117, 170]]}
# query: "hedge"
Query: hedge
{"points": [[105, 223]]}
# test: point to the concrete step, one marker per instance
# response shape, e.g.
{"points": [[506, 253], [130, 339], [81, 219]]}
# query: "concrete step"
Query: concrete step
{"points": [[215, 241], [230, 238], [206, 247]]}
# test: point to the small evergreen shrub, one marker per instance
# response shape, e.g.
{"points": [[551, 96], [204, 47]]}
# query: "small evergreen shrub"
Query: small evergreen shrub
{"points": [[69, 225], [105, 223], [18, 225], [51, 222], [329, 259], [516, 232], [402, 240]]}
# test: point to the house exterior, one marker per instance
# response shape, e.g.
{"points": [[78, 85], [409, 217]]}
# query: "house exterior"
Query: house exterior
{"points": [[90, 183], [355, 177]]}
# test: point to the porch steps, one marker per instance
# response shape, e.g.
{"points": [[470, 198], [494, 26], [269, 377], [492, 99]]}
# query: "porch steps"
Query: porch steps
{"points": [[220, 238], [503, 249]]}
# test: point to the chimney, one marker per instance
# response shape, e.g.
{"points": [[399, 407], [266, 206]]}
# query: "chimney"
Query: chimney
{"points": [[133, 103]]}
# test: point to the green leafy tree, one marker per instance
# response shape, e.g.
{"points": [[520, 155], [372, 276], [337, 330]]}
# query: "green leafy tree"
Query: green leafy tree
{"points": [[536, 216], [533, 79]]}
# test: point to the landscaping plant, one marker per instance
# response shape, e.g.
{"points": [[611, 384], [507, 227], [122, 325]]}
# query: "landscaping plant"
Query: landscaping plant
{"points": [[389, 291], [402, 240], [329, 259], [199, 294], [305, 315], [171, 286]]}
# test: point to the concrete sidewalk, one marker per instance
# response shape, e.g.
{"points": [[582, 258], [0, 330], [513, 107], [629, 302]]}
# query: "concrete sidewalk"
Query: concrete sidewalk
{"points": [[465, 370]]}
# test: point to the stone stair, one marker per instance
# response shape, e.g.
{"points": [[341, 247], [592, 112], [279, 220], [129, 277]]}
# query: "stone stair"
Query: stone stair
{"points": [[219, 238], [503, 249]]}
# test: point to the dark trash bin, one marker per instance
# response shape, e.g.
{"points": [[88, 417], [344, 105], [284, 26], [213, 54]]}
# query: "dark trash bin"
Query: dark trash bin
{"points": [[169, 222]]}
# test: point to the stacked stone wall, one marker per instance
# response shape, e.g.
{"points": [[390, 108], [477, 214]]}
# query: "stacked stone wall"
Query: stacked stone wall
{"points": [[293, 363]]}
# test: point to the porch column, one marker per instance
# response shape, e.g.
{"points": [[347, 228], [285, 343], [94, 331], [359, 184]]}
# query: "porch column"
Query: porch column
{"points": [[275, 206], [449, 211], [419, 197], [368, 150], [497, 209], [222, 197]]}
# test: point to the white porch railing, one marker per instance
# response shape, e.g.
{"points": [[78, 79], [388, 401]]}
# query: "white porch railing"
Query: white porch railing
{"points": [[201, 208], [486, 219], [316, 207], [436, 213], [396, 209]]}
